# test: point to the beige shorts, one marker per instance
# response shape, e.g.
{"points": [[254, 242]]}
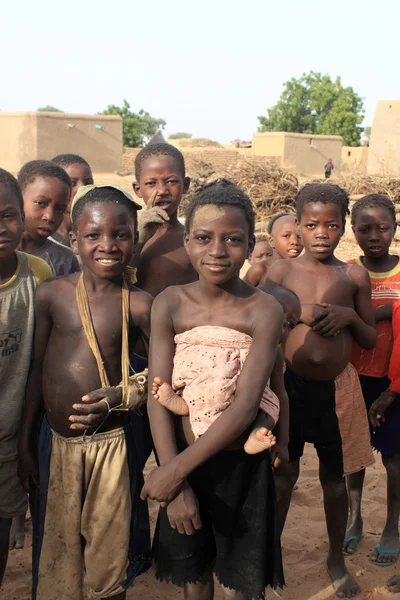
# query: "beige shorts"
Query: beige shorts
{"points": [[87, 518], [13, 498]]}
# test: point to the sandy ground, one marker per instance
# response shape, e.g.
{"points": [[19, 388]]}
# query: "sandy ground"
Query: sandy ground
{"points": [[304, 547], [304, 539]]}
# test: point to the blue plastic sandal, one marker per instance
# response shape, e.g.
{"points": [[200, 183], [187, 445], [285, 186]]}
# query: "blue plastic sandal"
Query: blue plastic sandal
{"points": [[358, 539], [380, 553]]}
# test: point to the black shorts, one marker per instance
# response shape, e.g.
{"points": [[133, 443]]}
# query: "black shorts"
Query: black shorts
{"points": [[313, 419], [238, 539]]}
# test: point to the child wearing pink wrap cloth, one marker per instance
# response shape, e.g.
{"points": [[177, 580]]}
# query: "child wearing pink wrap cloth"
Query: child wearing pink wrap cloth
{"points": [[208, 361]]}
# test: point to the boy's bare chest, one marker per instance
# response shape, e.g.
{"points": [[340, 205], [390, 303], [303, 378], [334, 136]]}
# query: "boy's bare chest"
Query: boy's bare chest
{"points": [[330, 285], [105, 316]]}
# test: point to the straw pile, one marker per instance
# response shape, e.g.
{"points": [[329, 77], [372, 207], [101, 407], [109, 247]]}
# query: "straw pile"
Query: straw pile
{"points": [[270, 188], [358, 184]]}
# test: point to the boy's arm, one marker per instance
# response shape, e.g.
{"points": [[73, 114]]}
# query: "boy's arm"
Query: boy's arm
{"points": [[164, 482], [360, 319], [27, 467], [161, 360], [183, 510], [384, 313], [279, 453], [254, 275]]}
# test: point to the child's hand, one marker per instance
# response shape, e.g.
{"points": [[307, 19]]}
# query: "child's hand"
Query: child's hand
{"points": [[28, 470], [96, 408], [183, 511], [377, 411], [152, 215], [163, 484], [311, 313], [336, 318], [279, 455]]}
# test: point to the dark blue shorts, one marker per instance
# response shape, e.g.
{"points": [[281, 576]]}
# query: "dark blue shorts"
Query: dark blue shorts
{"points": [[385, 439]]}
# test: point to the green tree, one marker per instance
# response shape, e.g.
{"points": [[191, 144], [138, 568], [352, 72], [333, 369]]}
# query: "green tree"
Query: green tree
{"points": [[135, 126], [315, 104], [49, 108], [179, 135]]}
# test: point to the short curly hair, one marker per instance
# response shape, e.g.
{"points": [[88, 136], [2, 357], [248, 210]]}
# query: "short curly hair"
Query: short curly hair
{"points": [[372, 201], [158, 149], [221, 192], [326, 193], [41, 168]]}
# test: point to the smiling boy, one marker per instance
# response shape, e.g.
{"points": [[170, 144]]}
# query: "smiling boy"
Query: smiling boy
{"points": [[89, 484]]}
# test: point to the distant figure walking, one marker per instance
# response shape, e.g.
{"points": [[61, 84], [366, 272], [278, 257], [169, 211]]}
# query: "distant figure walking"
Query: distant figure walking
{"points": [[328, 168]]}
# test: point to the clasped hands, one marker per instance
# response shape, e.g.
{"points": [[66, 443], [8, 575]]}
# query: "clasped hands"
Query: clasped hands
{"points": [[326, 319]]}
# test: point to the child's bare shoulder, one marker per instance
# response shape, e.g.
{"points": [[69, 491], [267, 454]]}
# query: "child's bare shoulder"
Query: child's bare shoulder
{"points": [[358, 274], [280, 268], [140, 301]]}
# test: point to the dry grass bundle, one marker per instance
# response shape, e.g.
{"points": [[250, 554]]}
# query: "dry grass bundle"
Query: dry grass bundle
{"points": [[358, 184], [270, 188]]}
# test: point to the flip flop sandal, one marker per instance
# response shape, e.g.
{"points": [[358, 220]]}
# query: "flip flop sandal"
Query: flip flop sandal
{"points": [[380, 552], [358, 539]]}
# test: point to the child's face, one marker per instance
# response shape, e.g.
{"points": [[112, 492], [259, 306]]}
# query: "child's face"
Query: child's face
{"points": [[162, 173], [45, 202], [321, 227], [80, 174], [218, 242], [285, 239], [105, 238], [11, 222], [262, 251], [374, 230]]}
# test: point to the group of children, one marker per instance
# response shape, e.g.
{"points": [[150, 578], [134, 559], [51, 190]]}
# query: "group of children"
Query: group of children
{"points": [[241, 373]]}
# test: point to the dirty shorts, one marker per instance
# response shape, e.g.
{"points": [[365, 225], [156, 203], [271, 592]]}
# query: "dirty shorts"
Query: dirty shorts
{"points": [[90, 526]]}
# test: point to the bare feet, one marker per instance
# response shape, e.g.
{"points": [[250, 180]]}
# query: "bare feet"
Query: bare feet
{"points": [[345, 585], [165, 395], [394, 584], [387, 551], [17, 533], [260, 439]]}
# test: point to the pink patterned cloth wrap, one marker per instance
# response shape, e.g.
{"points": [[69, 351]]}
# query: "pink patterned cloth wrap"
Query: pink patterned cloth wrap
{"points": [[208, 361]]}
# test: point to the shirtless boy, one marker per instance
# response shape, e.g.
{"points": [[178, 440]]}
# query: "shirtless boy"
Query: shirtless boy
{"points": [[80, 174], [285, 242], [161, 182], [89, 484], [221, 501], [325, 398]]}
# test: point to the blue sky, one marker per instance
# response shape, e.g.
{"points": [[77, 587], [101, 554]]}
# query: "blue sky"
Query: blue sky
{"points": [[209, 67]]}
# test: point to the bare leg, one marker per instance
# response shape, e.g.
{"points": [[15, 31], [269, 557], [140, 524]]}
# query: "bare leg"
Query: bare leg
{"points": [[390, 534], [261, 437], [394, 584], [5, 525], [354, 529], [285, 479], [166, 396], [199, 591], [233, 595], [17, 533], [336, 510]]}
